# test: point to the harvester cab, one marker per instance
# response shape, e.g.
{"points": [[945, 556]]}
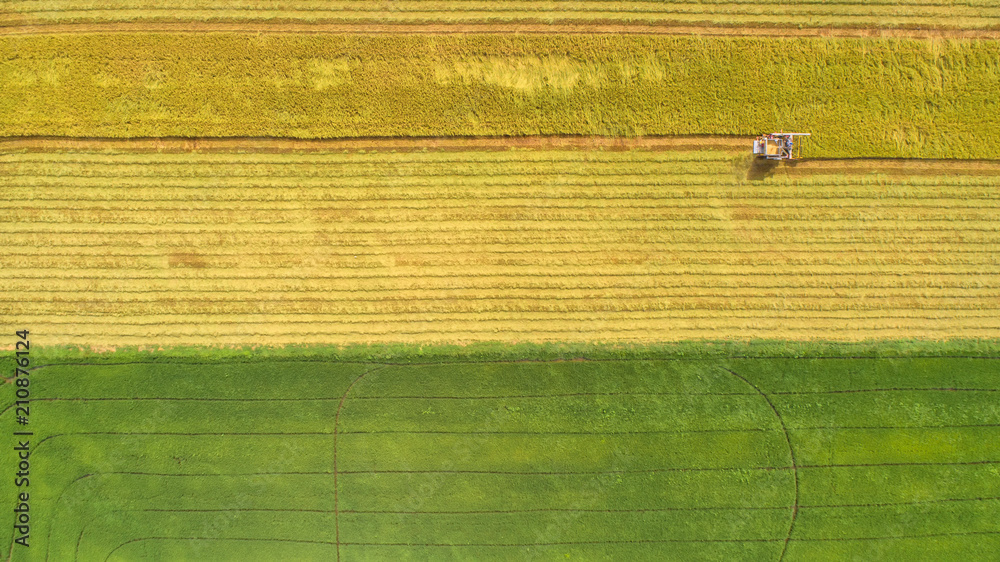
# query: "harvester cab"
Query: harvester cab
{"points": [[779, 146]]}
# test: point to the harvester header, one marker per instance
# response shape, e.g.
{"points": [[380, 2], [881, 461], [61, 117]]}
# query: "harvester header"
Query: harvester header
{"points": [[779, 146]]}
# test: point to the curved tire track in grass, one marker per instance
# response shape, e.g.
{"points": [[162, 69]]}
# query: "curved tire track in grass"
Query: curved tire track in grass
{"points": [[336, 421], [791, 453], [526, 473]]}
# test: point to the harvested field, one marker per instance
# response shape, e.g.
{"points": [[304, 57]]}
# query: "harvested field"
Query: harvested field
{"points": [[122, 248], [982, 14], [859, 97], [154, 456]]}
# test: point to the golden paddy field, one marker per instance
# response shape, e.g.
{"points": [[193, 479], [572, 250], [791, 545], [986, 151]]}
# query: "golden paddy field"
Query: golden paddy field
{"points": [[111, 247]]}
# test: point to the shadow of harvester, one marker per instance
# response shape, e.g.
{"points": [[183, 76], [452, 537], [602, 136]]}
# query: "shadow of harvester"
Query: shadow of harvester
{"points": [[761, 169]]}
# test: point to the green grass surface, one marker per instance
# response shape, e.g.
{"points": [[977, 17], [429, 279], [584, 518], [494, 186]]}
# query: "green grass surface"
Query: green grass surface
{"points": [[694, 451], [859, 97]]}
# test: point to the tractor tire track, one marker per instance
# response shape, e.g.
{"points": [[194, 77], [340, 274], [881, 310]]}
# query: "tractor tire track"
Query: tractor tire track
{"points": [[791, 453], [234, 539]]}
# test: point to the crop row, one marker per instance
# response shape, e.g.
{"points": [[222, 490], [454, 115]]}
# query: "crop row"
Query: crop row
{"points": [[496, 261], [649, 307], [972, 14], [283, 330], [343, 219], [871, 97]]}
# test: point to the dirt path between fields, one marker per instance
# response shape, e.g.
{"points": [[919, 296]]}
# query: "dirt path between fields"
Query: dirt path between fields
{"points": [[22, 28], [236, 144]]}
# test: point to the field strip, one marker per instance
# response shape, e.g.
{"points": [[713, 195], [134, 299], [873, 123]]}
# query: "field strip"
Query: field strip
{"points": [[924, 30], [14, 146], [536, 510], [412, 144], [546, 243], [890, 166], [411, 86]]}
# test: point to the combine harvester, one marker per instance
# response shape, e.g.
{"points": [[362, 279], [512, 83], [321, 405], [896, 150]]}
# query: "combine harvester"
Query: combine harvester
{"points": [[779, 146]]}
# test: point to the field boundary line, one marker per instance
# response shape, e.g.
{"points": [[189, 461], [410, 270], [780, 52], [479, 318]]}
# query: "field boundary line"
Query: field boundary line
{"points": [[507, 397], [896, 504], [897, 389], [593, 472], [658, 541], [528, 433], [885, 464], [446, 361], [897, 537], [133, 473], [565, 510], [791, 452], [557, 27]]}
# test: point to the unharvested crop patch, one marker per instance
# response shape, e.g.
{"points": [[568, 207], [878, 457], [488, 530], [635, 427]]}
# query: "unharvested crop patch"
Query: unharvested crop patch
{"points": [[725, 458], [859, 97]]}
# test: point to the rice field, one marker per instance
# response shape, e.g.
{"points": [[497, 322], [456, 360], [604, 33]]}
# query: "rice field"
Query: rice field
{"points": [[981, 14], [467, 280], [127, 248], [666, 457], [900, 98]]}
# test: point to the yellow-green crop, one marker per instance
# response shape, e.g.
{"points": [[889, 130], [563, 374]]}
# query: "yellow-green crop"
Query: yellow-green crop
{"points": [[859, 97]]}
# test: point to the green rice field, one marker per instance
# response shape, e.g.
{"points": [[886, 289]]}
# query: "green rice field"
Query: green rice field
{"points": [[681, 453]]}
